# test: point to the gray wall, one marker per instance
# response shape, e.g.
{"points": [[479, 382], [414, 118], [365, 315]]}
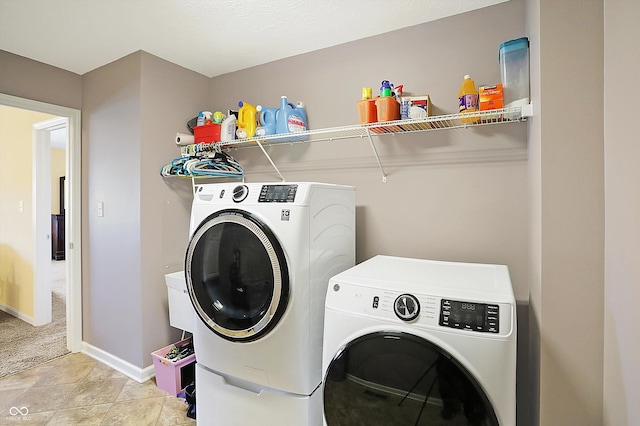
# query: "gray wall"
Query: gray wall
{"points": [[567, 209], [458, 195], [451, 191], [111, 154], [622, 238], [131, 111], [29, 79]]}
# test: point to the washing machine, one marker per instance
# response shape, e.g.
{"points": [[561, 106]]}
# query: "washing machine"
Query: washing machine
{"points": [[257, 267], [420, 342]]}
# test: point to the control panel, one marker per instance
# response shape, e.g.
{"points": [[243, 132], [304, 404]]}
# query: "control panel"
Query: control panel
{"points": [[278, 193], [480, 317], [422, 310]]}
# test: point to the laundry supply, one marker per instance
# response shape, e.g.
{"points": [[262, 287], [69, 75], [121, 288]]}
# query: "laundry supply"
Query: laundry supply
{"points": [[266, 121], [246, 120], [228, 128], [289, 118], [303, 112]]}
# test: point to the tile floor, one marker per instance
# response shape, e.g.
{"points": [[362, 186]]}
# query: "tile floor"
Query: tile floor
{"points": [[78, 390]]}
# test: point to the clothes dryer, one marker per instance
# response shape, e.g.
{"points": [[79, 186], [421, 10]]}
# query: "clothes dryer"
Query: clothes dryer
{"points": [[257, 267], [420, 342]]}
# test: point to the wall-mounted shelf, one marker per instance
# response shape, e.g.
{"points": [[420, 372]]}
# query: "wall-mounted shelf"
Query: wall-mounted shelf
{"points": [[369, 131]]}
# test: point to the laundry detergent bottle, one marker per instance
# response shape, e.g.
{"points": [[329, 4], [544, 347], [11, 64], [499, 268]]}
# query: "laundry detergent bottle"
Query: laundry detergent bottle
{"points": [[228, 128], [289, 119], [266, 121], [247, 115]]}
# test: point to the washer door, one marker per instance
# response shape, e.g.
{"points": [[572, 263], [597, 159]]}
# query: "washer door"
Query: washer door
{"points": [[237, 275], [391, 378]]}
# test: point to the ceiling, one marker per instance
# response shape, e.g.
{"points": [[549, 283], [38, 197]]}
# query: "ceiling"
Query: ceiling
{"points": [[212, 37]]}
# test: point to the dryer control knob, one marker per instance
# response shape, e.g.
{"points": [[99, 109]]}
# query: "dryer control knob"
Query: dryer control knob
{"points": [[406, 307], [240, 192]]}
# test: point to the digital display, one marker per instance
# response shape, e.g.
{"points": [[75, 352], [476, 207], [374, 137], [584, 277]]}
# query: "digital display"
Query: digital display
{"points": [[469, 316], [278, 193]]}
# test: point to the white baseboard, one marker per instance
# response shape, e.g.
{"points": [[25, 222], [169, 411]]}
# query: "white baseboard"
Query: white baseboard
{"points": [[136, 373], [18, 314]]}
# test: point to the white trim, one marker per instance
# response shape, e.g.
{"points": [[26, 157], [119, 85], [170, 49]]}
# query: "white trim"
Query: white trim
{"points": [[17, 314], [136, 373], [73, 210], [41, 222]]}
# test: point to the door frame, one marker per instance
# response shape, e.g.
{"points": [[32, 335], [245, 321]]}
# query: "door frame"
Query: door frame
{"points": [[73, 216], [41, 192]]}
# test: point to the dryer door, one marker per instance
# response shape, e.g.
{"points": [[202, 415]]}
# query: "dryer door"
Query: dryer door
{"points": [[237, 275], [392, 378]]}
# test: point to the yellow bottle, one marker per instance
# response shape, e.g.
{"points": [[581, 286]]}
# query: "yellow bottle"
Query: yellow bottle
{"points": [[247, 120], [468, 99]]}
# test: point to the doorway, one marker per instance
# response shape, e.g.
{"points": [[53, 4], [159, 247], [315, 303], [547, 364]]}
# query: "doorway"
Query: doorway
{"points": [[70, 118], [45, 133]]}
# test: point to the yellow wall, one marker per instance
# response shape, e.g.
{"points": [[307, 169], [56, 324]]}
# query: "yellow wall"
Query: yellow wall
{"points": [[16, 232]]}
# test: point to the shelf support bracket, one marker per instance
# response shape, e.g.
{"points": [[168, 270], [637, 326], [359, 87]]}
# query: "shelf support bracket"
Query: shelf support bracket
{"points": [[375, 152], [270, 160], [194, 187]]}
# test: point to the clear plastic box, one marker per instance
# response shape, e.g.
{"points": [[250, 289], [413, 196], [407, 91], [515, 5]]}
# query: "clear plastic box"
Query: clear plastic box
{"points": [[514, 71]]}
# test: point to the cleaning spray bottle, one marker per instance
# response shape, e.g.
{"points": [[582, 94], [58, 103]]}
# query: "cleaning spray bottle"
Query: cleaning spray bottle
{"points": [[266, 121], [246, 120]]}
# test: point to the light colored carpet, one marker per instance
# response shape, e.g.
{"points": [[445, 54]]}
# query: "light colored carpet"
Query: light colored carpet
{"points": [[23, 346]]}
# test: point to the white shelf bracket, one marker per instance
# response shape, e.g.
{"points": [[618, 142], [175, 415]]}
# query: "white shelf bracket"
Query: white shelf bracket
{"points": [[375, 152], [527, 110], [270, 160]]}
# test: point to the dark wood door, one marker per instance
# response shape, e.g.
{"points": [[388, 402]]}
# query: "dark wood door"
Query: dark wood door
{"points": [[57, 236]]}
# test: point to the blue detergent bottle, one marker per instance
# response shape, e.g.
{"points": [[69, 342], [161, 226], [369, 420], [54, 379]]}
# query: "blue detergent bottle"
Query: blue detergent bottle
{"points": [[267, 121], [289, 119], [303, 113]]}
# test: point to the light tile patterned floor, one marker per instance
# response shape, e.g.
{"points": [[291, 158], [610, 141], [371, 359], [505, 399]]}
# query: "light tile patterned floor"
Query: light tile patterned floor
{"points": [[78, 390]]}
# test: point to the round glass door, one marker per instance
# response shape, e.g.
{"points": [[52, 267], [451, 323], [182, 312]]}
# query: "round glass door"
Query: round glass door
{"points": [[391, 378], [237, 275]]}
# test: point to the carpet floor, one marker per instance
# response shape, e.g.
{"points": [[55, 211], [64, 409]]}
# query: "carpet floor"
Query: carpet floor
{"points": [[23, 346]]}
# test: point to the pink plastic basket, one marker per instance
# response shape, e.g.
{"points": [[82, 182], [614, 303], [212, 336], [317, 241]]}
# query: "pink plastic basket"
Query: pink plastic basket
{"points": [[172, 377]]}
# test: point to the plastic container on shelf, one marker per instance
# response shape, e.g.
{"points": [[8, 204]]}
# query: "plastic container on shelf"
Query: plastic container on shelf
{"points": [[367, 111], [228, 128], [266, 121], [388, 109], [247, 124], [514, 71], [303, 113], [206, 133], [468, 99], [289, 118]]}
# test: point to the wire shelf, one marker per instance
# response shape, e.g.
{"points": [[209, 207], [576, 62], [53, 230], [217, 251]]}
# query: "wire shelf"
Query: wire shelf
{"points": [[450, 121], [412, 125]]}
